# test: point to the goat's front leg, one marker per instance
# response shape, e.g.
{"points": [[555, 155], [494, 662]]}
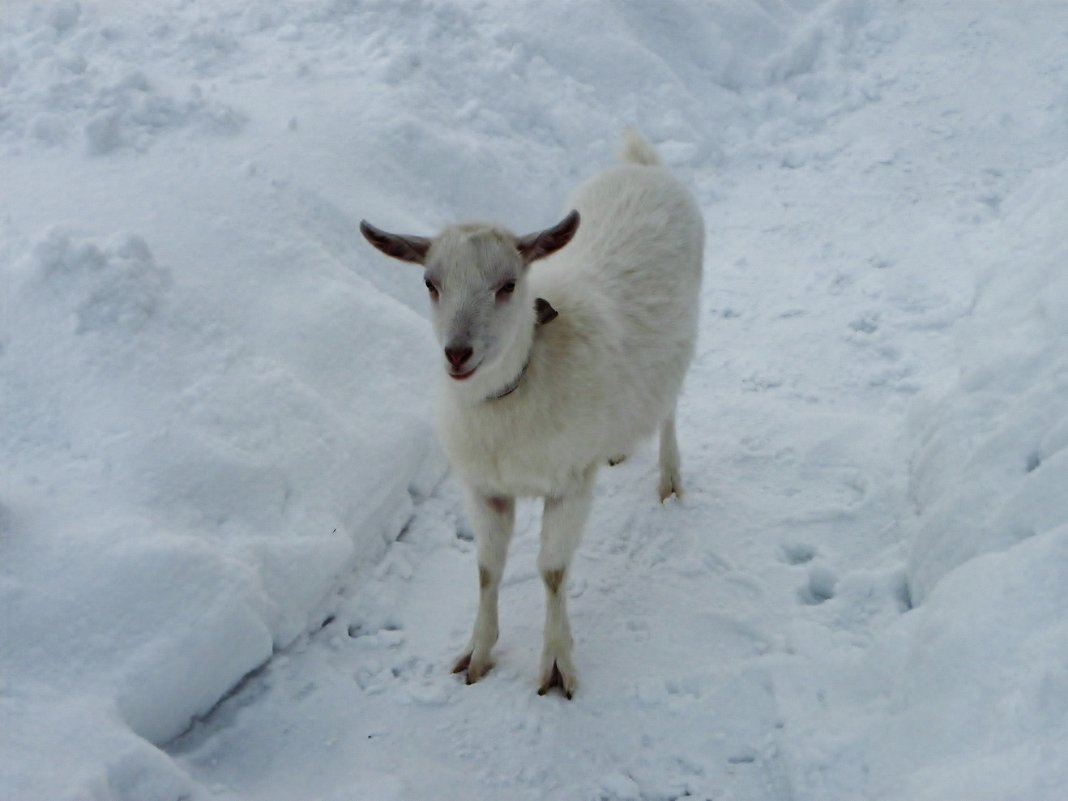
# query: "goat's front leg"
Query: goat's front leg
{"points": [[561, 530], [493, 518], [670, 477]]}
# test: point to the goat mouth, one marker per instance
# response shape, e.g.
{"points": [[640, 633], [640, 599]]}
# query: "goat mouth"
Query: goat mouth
{"points": [[462, 375]]}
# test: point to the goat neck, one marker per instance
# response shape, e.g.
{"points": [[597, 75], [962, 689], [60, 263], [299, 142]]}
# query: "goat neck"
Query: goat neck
{"points": [[544, 313]]}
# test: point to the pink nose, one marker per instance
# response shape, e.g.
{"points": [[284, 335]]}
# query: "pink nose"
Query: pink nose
{"points": [[458, 354]]}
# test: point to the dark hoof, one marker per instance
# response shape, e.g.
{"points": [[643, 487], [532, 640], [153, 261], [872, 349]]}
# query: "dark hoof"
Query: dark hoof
{"points": [[556, 679], [461, 664]]}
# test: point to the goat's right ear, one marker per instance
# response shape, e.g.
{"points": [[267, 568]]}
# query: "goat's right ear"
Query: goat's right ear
{"points": [[405, 248]]}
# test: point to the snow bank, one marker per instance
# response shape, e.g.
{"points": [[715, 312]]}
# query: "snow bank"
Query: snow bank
{"points": [[966, 694], [209, 416], [964, 697], [991, 457], [183, 490]]}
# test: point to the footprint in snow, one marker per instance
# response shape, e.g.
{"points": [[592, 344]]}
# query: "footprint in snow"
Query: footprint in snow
{"points": [[820, 586], [866, 324], [798, 553]]}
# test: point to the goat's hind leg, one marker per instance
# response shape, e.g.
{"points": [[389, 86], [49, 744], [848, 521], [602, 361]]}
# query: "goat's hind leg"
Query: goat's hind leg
{"points": [[561, 530], [493, 519], [670, 477]]}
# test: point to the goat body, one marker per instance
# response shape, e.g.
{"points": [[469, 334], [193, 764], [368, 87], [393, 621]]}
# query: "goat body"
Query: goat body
{"points": [[533, 410]]}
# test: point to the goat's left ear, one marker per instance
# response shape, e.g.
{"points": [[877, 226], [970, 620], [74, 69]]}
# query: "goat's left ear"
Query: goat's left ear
{"points": [[405, 248], [544, 243]]}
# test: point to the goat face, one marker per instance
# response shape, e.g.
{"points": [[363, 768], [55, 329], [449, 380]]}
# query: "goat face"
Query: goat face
{"points": [[476, 277]]}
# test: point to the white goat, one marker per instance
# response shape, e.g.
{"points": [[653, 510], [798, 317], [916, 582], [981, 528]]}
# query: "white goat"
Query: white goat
{"points": [[552, 371]]}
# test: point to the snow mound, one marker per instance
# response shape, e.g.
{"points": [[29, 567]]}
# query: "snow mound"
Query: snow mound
{"points": [[991, 457], [182, 492], [965, 697], [116, 288]]}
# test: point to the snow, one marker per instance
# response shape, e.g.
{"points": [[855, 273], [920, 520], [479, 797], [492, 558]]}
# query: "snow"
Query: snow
{"points": [[232, 565], [990, 464]]}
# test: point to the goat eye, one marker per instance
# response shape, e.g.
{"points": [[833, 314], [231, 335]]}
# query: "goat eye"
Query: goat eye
{"points": [[506, 289], [433, 289]]}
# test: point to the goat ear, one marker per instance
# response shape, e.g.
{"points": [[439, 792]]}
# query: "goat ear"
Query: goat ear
{"points": [[544, 243], [405, 248]]}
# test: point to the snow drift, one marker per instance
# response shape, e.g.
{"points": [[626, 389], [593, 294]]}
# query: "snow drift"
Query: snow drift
{"points": [[991, 461]]}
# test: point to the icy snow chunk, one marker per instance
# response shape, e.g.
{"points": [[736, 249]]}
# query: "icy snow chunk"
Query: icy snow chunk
{"points": [[114, 287], [58, 255], [132, 112], [128, 293]]}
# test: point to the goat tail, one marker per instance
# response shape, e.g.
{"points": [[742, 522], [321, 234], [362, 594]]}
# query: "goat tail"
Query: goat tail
{"points": [[637, 150]]}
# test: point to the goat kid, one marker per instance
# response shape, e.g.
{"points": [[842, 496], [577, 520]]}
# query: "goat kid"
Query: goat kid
{"points": [[550, 371]]}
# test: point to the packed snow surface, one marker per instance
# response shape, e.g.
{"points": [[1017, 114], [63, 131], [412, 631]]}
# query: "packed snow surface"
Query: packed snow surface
{"points": [[232, 563]]}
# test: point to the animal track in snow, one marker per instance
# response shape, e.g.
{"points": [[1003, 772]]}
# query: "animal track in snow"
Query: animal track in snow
{"points": [[820, 586], [388, 634], [798, 553], [866, 324]]}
